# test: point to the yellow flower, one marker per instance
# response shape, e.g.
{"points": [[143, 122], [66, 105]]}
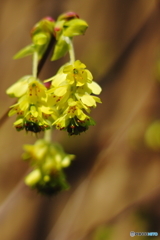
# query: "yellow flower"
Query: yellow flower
{"points": [[32, 111], [59, 91], [73, 119], [36, 91], [78, 74], [35, 118], [19, 88], [71, 93], [94, 88]]}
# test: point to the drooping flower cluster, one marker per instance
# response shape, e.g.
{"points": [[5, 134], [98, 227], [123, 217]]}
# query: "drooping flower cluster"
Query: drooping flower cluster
{"points": [[32, 109], [71, 93], [48, 161], [33, 113], [65, 104]]}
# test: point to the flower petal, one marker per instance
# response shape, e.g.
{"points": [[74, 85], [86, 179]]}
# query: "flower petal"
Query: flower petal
{"points": [[19, 121], [88, 100], [97, 99], [60, 91], [96, 89], [79, 64], [19, 88], [89, 75], [33, 177]]}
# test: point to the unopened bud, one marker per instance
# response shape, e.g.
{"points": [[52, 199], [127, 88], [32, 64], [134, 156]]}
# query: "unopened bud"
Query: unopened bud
{"points": [[68, 16]]}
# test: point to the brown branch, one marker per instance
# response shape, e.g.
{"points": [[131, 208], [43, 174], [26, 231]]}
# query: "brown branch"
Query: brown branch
{"points": [[43, 60]]}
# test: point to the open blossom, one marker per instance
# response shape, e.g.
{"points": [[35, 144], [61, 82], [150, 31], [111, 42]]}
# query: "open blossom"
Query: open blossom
{"points": [[59, 91], [78, 74], [32, 111], [73, 119], [71, 93]]}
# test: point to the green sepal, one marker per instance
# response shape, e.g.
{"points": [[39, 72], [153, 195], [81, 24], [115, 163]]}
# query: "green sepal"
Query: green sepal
{"points": [[40, 38], [74, 27], [61, 48], [47, 26], [26, 51], [41, 49], [43, 26], [58, 29]]}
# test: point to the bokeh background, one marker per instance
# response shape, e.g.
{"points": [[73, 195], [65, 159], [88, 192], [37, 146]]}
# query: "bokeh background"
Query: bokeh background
{"points": [[115, 179]]}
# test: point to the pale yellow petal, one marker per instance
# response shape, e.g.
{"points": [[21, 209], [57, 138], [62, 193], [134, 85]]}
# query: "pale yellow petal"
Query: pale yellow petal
{"points": [[89, 75], [58, 79], [96, 89], [79, 64], [46, 110], [60, 91], [19, 121], [33, 178], [12, 112], [68, 68], [34, 111], [88, 100], [97, 99], [18, 89]]}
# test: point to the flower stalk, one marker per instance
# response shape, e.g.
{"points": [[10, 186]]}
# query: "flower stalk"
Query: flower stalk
{"points": [[48, 135], [71, 51], [35, 64]]}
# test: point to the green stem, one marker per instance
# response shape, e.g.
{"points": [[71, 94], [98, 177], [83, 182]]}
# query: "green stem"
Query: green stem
{"points": [[71, 51], [48, 135], [35, 64]]}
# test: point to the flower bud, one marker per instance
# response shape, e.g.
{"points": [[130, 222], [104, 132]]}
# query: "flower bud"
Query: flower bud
{"points": [[44, 25], [68, 16], [33, 178]]}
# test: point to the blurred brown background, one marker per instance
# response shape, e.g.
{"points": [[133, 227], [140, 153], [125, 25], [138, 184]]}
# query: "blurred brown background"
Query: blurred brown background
{"points": [[115, 179]]}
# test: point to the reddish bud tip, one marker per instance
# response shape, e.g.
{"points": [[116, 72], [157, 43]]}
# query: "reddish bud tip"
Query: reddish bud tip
{"points": [[72, 15], [68, 16], [49, 19], [57, 29], [47, 84]]}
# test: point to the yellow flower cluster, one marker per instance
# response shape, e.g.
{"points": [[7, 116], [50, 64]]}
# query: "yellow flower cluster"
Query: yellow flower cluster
{"points": [[33, 113], [72, 94], [67, 103], [48, 160]]}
